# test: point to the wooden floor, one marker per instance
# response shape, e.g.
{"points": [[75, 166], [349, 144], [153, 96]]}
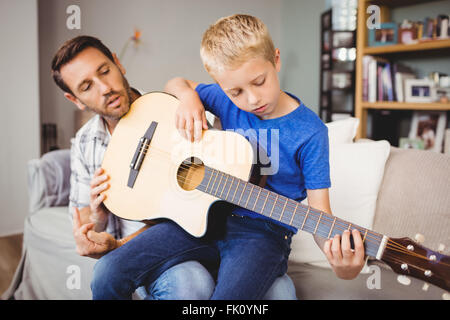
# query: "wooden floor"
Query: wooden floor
{"points": [[10, 252]]}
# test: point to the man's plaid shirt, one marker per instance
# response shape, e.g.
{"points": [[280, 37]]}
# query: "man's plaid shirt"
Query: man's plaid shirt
{"points": [[87, 151]]}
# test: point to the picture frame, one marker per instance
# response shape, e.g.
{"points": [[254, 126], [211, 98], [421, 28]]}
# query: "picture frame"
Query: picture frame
{"points": [[386, 35], [420, 90], [407, 35], [406, 143], [341, 80], [343, 39], [429, 126]]}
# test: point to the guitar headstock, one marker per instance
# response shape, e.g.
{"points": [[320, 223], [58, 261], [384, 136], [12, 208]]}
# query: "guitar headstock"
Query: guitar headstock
{"points": [[409, 258]]}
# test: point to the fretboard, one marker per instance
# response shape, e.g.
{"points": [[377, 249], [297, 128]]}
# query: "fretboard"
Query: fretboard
{"points": [[287, 211]]}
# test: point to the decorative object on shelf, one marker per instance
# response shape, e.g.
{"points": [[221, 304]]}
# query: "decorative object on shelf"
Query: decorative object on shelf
{"points": [[442, 26], [420, 90], [407, 33], [343, 39], [386, 35], [135, 39], [429, 126], [341, 80], [443, 95], [406, 143]]}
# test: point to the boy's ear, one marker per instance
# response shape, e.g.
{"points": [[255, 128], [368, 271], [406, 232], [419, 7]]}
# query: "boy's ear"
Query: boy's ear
{"points": [[277, 60], [74, 100], [117, 62]]}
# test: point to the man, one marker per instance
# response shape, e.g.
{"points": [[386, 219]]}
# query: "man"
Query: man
{"points": [[93, 78]]}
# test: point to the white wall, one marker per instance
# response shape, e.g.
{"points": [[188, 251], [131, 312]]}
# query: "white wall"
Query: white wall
{"points": [[19, 92], [171, 34], [300, 36]]}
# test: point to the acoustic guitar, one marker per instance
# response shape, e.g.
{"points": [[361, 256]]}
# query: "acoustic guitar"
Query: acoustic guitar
{"points": [[155, 173]]}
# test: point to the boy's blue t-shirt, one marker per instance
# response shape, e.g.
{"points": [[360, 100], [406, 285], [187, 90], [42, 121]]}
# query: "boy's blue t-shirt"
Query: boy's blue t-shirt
{"points": [[296, 143]]}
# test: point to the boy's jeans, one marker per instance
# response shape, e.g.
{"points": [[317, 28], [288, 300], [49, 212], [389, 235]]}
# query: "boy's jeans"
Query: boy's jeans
{"points": [[156, 256], [253, 254]]}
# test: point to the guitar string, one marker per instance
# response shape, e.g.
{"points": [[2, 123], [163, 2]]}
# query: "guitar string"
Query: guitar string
{"points": [[416, 276], [421, 257], [340, 228], [392, 243], [394, 258], [337, 226]]}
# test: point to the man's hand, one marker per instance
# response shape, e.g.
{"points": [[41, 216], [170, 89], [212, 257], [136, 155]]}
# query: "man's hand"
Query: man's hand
{"points": [[99, 213], [346, 263], [90, 243]]}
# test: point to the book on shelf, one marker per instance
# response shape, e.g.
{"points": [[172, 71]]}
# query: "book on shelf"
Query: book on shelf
{"points": [[384, 80]]}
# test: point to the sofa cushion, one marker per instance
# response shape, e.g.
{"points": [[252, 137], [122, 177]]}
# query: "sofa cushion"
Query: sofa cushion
{"points": [[342, 131], [315, 283], [49, 180], [414, 197], [356, 171]]}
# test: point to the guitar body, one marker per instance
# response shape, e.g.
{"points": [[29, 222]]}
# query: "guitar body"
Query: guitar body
{"points": [[162, 189]]}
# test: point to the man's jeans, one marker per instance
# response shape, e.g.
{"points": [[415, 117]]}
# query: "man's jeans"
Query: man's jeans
{"points": [[191, 281], [253, 256]]}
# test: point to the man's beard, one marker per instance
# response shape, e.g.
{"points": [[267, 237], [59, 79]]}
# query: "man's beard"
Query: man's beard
{"points": [[103, 111]]}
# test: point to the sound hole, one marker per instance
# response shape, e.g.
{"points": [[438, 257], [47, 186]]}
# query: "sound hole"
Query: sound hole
{"points": [[190, 173]]}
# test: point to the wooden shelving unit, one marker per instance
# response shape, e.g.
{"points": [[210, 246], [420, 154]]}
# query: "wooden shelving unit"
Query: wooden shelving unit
{"points": [[362, 107], [331, 66]]}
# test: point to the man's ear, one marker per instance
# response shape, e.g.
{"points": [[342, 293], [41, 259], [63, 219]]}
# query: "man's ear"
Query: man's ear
{"points": [[74, 100], [277, 60], [117, 62]]}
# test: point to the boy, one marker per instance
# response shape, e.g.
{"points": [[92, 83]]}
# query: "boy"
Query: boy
{"points": [[238, 53]]}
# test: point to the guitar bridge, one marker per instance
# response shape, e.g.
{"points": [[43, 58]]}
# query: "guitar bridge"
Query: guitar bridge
{"points": [[139, 154]]}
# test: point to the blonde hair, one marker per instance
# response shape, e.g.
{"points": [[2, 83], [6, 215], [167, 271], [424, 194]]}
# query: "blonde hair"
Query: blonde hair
{"points": [[233, 40]]}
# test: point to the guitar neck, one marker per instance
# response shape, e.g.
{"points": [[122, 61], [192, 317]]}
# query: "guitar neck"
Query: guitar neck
{"points": [[285, 210]]}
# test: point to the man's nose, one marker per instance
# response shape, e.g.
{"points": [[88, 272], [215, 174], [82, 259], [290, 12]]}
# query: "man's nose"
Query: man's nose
{"points": [[104, 87]]}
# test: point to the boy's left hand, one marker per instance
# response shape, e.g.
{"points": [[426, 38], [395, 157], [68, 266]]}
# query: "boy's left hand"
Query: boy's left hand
{"points": [[346, 263]]}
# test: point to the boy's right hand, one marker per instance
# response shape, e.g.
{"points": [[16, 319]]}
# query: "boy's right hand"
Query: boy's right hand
{"points": [[190, 117]]}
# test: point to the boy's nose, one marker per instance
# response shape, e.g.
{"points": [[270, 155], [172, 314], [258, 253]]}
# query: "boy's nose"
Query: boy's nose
{"points": [[253, 99]]}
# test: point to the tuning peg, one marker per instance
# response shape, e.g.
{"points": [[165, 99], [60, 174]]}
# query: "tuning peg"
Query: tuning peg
{"points": [[441, 248], [420, 238], [425, 287], [404, 280], [446, 296]]}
